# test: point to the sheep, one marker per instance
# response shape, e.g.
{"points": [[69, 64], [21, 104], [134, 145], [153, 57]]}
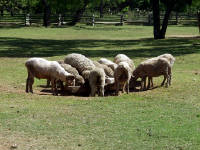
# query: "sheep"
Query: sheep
{"points": [[44, 69], [171, 60], [122, 77], [97, 81], [123, 58], [108, 71], [83, 64], [108, 63], [153, 68], [78, 79]]}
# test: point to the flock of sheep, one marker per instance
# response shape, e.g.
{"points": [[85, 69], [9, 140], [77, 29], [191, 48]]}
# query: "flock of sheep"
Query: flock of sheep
{"points": [[82, 75]]}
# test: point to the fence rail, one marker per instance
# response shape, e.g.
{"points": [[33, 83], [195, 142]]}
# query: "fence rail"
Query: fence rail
{"points": [[129, 18]]}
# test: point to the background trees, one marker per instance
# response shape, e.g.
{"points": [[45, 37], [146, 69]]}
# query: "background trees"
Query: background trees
{"points": [[76, 8]]}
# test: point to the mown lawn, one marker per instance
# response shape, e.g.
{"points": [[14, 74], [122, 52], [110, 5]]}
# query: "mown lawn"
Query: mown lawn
{"points": [[158, 119]]}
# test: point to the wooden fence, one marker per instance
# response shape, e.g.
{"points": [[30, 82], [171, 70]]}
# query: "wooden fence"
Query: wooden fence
{"points": [[117, 19]]}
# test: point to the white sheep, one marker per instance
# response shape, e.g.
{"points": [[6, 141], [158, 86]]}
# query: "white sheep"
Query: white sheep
{"points": [[122, 77], [123, 58], [44, 69], [171, 60], [108, 63], [108, 71], [83, 64], [78, 78], [97, 81], [153, 68]]}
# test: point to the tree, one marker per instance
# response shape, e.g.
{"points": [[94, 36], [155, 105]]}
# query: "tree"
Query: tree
{"points": [[159, 32]]}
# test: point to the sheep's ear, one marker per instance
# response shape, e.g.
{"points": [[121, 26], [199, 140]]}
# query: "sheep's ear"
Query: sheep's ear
{"points": [[70, 77]]}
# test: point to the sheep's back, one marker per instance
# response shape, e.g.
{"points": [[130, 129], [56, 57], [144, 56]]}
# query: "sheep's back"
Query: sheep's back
{"points": [[80, 62]]}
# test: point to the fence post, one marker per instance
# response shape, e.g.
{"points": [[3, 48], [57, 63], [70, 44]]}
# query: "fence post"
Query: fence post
{"points": [[59, 20], [121, 20], [150, 18], [176, 18], [27, 20], [93, 20]]}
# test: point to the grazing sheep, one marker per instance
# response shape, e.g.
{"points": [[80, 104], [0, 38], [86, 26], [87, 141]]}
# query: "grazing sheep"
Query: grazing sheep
{"points": [[108, 71], [153, 68], [44, 69], [83, 64], [97, 81], [123, 58], [78, 79], [108, 63], [122, 76], [171, 60]]}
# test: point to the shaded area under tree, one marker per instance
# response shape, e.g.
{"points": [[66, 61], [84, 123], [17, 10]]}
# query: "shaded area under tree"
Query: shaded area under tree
{"points": [[19, 47]]}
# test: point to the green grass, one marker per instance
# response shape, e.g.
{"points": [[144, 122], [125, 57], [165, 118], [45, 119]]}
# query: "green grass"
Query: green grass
{"points": [[158, 119]]}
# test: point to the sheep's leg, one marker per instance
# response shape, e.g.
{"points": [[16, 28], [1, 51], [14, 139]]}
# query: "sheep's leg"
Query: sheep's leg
{"points": [[149, 82], [127, 87], [48, 83], [170, 75], [27, 85], [53, 87], [124, 87], [101, 91], [74, 83], [144, 83], [31, 81], [61, 86], [170, 79], [163, 80], [93, 91], [117, 89]]}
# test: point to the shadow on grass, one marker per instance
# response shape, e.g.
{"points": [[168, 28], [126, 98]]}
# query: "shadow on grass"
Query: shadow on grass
{"points": [[19, 47]]}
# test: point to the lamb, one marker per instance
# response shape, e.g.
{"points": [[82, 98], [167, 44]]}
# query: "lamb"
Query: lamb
{"points": [[122, 77], [108, 63], [171, 60], [97, 81], [83, 64], [123, 58], [153, 68], [44, 69], [108, 71]]}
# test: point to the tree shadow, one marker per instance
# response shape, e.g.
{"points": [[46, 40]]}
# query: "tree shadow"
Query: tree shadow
{"points": [[19, 47]]}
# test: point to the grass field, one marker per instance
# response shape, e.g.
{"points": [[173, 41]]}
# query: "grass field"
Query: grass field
{"points": [[158, 119]]}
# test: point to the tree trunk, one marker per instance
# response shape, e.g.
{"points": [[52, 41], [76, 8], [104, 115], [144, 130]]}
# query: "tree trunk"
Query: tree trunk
{"points": [[156, 19], [198, 15], [47, 14], [2, 12], [101, 9], [165, 23], [123, 4], [77, 17]]}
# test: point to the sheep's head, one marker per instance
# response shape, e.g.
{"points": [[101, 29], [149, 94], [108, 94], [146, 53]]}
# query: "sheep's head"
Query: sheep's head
{"points": [[70, 79], [79, 80]]}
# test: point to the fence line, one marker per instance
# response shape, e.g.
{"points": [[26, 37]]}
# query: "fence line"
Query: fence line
{"points": [[117, 19]]}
